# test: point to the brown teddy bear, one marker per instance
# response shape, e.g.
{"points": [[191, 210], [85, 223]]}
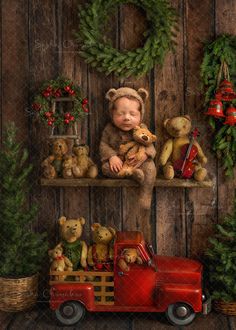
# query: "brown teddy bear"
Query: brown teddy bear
{"points": [[85, 165], [100, 253], [179, 128], [52, 165], [74, 249], [129, 256], [70, 168], [142, 139], [59, 262]]}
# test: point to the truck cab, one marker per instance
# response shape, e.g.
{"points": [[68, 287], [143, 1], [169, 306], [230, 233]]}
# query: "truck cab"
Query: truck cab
{"points": [[159, 284]]}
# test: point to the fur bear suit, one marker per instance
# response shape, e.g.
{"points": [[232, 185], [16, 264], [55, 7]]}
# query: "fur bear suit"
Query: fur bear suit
{"points": [[74, 249], [52, 165], [100, 253], [179, 128], [113, 137]]}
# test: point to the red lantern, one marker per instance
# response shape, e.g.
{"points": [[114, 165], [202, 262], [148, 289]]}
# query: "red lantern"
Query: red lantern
{"points": [[230, 116], [226, 90], [215, 109]]}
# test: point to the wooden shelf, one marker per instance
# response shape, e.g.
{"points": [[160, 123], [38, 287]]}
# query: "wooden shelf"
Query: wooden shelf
{"points": [[103, 182]]}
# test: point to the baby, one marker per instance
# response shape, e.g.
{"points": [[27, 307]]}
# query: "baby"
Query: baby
{"points": [[127, 111]]}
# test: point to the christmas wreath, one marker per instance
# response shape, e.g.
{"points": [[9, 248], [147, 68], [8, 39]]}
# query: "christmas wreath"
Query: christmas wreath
{"points": [[99, 53], [53, 90], [218, 71]]}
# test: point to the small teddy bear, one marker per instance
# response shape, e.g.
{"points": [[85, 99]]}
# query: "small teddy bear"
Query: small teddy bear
{"points": [[142, 139], [70, 168], [100, 253], [74, 249], [59, 262], [129, 256], [179, 128], [52, 165], [85, 165]]}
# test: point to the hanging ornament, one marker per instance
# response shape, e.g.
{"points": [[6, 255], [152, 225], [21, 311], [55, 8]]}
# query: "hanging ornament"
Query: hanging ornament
{"points": [[215, 108], [230, 116], [226, 91]]}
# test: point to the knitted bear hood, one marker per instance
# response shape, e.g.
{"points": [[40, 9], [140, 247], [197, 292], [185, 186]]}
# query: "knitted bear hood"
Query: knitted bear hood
{"points": [[141, 95]]}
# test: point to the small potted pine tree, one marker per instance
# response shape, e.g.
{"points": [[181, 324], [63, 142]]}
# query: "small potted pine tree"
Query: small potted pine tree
{"points": [[21, 249], [221, 265]]}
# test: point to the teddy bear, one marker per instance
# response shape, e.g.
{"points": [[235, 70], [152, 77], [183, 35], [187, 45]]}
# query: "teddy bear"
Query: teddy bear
{"points": [[129, 256], [59, 262], [100, 253], [52, 165], [85, 165], [142, 139], [179, 128], [74, 249], [70, 168]]}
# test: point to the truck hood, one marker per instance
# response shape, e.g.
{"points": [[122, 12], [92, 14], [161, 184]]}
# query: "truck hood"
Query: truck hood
{"points": [[177, 265]]}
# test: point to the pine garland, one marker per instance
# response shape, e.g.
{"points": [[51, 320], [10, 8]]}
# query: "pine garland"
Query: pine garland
{"points": [[21, 249], [221, 260], [224, 139], [99, 53]]}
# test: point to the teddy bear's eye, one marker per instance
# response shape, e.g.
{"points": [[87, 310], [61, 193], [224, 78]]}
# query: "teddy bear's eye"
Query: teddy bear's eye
{"points": [[67, 226], [76, 225]]}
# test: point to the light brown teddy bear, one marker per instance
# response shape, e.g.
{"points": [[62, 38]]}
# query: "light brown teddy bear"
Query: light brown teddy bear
{"points": [[142, 139], [70, 168], [74, 249], [179, 129], [100, 253], [59, 262], [52, 165], [129, 256], [85, 165]]}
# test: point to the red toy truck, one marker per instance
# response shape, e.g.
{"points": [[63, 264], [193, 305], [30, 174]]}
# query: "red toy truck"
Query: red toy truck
{"points": [[160, 284]]}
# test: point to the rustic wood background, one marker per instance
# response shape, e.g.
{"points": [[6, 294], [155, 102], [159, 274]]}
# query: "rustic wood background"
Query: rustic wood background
{"points": [[37, 44]]}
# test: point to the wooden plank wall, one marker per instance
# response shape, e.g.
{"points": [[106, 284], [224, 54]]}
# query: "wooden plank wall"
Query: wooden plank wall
{"points": [[37, 44]]}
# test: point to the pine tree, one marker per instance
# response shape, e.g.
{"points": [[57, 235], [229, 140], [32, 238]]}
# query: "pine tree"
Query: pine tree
{"points": [[221, 260], [21, 249]]}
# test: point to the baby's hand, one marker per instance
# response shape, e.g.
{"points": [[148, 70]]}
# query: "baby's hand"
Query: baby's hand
{"points": [[137, 161], [115, 164]]}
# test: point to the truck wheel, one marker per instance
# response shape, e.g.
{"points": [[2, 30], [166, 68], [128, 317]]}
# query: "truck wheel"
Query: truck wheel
{"points": [[180, 314], [70, 312]]}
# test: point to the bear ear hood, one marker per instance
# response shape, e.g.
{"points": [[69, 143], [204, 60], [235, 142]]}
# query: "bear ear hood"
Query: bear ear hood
{"points": [[141, 95]]}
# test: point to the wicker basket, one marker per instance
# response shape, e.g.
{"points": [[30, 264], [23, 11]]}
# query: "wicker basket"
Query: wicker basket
{"points": [[227, 308], [18, 294]]}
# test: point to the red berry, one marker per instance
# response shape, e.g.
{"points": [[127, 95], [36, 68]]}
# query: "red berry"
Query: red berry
{"points": [[72, 118], [67, 121], [85, 101], [57, 92], [50, 123], [46, 94], [67, 88], [36, 106], [71, 92], [48, 114], [85, 108], [67, 115], [53, 119]]}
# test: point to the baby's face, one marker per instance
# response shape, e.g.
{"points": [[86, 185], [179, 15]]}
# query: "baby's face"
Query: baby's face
{"points": [[126, 114]]}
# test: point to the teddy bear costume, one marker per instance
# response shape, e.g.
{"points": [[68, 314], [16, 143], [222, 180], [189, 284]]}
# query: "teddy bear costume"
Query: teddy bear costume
{"points": [[113, 137]]}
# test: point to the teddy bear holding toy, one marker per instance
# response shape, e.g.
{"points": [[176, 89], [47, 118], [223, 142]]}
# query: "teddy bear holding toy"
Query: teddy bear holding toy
{"points": [[179, 128]]}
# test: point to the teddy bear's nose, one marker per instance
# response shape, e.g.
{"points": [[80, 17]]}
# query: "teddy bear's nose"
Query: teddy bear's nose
{"points": [[144, 137]]}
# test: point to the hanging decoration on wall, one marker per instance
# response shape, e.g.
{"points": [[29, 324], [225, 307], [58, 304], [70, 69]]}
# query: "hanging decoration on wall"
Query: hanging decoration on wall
{"points": [[99, 52], [218, 71], [61, 89]]}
